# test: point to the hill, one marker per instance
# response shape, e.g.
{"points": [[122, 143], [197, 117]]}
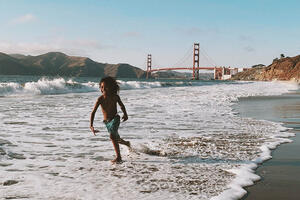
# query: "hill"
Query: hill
{"points": [[12, 66], [284, 69], [57, 63]]}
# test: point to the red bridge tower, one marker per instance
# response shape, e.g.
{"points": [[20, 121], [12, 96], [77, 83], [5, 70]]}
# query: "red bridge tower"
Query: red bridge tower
{"points": [[149, 66], [196, 61]]}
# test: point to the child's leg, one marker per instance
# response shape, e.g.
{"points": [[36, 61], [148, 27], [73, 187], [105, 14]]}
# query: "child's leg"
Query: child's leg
{"points": [[117, 150], [121, 141]]}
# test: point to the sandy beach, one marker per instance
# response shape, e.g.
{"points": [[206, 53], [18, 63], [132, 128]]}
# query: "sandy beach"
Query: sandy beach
{"points": [[280, 176]]}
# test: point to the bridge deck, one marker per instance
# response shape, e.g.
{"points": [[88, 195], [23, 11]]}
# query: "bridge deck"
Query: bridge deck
{"points": [[181, 68]]}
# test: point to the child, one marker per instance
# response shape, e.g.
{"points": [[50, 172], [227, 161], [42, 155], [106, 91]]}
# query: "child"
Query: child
{"points": [[108, 101]]}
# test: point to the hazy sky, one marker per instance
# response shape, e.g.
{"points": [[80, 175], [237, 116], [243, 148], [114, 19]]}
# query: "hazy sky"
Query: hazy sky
{"points": [[233, 33]]}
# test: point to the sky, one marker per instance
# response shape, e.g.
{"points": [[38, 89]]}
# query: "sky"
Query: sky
{"points": [[236, 33]]}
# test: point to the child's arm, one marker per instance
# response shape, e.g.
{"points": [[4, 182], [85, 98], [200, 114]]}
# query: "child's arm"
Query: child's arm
{"points": [[125, 116], [98, 102]]}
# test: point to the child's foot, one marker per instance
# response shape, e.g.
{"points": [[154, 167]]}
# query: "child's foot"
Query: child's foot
{"points": [[117, 161], [128, 145]]}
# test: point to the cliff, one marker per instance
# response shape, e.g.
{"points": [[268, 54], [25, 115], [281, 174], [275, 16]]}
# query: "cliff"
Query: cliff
{"points": [[284, 69], [56, 63]]}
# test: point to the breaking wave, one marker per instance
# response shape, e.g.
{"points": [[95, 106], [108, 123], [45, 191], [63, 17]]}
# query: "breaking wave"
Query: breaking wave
{"points": [[48, 86], [45, 86]]}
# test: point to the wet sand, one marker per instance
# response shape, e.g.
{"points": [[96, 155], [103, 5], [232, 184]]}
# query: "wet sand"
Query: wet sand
{"points": [[280, 176]]}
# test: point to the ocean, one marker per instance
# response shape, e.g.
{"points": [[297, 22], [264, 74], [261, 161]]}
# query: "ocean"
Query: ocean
{"points": [[188, 142]]}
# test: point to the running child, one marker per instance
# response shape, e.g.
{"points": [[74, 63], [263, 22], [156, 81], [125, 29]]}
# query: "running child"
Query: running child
{"points": [[108, 101]]}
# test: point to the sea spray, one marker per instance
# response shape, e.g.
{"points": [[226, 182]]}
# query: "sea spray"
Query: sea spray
{"points": [[60, 85], [45, 86]]}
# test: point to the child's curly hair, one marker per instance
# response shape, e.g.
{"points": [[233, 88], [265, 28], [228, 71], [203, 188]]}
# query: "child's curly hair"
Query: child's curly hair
{"points": [[111, 83]]}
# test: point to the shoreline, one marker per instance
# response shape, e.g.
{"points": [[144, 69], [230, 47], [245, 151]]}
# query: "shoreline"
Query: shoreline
{"points": [[280, 175]]}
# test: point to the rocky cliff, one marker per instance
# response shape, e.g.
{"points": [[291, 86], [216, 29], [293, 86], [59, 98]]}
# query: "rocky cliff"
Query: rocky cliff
{"points": [[281, 69]]}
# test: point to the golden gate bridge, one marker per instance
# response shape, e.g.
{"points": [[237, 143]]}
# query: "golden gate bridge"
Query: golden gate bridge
{"points": [[220, 73]]}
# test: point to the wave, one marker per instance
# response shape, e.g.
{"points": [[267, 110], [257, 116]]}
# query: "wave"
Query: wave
{"points": [[48, 86], [128, 85]]}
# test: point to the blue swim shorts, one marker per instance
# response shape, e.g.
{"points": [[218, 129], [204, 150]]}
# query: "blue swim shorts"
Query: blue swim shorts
{"points": [[113, 126]]}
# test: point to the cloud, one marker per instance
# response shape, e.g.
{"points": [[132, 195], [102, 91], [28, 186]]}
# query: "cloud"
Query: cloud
{"points": [[82, 43], [24, 19], [80, 47]]}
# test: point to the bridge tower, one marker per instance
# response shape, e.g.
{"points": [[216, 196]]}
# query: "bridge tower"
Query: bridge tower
{"points": [[196, 61], [149, 66]]}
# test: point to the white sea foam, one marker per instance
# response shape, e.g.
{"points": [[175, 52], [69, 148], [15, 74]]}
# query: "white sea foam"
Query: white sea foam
{"points": [[125, 85], [188, 144], [45, 86]]}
